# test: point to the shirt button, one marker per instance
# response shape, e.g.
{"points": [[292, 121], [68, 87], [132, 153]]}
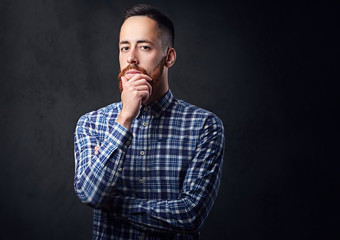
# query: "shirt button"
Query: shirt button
{"points": [[145, 124], [127, 142], [142, 153], [140, 238], [146, 109], [120, 169], [141, 180]]}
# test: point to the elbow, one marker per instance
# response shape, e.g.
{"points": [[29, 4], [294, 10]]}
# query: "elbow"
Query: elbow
{"points": [[193, 220], [89, 198], [193, 225]]}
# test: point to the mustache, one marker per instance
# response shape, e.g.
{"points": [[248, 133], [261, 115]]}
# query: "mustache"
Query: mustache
{"points": [[132, 67], [155, 74]]}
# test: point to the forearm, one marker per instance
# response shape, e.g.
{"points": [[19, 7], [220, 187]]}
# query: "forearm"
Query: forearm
{"points": [[94, 184], [96, 174], [185, 214], [159, 216]]}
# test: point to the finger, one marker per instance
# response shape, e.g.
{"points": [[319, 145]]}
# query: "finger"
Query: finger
{"points": [[144, 96], [96, 149], [140, 85], [149, 87], [141, 82], [124, 80], [140, 76], [142, 88]]}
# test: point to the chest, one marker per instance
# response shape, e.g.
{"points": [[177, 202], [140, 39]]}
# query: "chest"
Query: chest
{"points": [[159, 156]]}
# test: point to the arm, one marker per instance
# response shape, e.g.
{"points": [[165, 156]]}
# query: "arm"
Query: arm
{"points": [[96, 174], [96, 169], [188, 212]]}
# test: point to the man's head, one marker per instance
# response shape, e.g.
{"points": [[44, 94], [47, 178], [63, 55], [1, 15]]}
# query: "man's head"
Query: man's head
{"points": [[146, 45], [166, 27]]}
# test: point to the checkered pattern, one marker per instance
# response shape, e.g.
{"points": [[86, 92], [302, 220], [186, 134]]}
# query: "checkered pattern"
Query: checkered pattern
{"points": [[157, 181]]}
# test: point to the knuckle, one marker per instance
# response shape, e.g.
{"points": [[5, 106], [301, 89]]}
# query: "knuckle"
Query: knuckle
{"points": [[135, 93]]}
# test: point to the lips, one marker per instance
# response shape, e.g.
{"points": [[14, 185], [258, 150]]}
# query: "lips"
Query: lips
{"points": [[132, 72], [129, 74]]}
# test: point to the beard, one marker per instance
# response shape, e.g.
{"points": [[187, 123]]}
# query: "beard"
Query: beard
{"points": [[155, 75]]}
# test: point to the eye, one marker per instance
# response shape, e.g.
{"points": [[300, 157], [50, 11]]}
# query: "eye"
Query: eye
{"points": [[145, 47], [124, 49]]}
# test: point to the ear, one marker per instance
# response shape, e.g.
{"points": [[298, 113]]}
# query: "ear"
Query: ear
{"points": [[170, 57]]}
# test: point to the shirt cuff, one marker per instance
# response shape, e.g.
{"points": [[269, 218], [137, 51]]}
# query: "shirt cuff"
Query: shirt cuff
{"points": [[117, 138]]}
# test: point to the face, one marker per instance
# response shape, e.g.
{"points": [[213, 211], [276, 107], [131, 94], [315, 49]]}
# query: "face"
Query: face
{"points": [[140, 49]]}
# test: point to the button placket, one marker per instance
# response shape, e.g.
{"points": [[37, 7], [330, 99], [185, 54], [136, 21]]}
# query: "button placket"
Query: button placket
{"points": [[141, 235], [142, 144], [146, 110]]}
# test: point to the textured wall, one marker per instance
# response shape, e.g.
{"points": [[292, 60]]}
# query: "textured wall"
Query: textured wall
{"points": [[267, 70]]}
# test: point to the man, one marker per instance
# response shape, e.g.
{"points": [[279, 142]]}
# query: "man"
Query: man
{"points": [[150, 165]]}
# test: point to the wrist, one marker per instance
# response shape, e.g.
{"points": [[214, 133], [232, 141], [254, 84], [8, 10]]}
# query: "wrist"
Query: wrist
{"points": [[124, 120]]}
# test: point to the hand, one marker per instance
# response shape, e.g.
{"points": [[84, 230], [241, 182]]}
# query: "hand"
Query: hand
{"points": [[136, 91], [96, 149]]}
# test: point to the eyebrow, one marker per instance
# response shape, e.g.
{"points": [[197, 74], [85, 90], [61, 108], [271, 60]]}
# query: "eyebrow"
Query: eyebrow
{"points": [[138, 42]]}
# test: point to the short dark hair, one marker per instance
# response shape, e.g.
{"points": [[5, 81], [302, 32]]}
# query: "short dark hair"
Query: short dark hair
{"points": [[164, 23]]}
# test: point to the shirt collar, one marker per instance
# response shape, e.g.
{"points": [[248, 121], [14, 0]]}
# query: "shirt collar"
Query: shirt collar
{"points": [[159, 106]]}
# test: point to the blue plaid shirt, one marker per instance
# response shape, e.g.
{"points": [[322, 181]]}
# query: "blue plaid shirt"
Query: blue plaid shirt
{"points": [[157, 181]]}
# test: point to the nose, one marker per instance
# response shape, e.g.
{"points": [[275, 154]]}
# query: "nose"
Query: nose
{"points": [[132, 57]]}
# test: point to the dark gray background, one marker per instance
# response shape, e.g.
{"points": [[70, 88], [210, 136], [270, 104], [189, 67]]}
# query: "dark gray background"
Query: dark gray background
{"points": [[268, 70]]}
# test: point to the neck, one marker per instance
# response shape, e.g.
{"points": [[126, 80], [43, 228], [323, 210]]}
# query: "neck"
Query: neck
{"points": [[160, 90]]}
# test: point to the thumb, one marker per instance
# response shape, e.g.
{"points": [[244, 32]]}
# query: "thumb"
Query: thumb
{"points": [[124, 79]]}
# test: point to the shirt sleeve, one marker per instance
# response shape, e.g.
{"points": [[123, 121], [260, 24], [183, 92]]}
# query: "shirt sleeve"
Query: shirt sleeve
{"points": [[188, 212], [96, 175]]}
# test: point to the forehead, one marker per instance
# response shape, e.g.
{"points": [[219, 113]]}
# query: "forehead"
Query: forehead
{"points": [[139, 28]]}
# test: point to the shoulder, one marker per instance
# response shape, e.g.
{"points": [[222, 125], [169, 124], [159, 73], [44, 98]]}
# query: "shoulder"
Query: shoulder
{"points": [[188, 110], [101, 114]]}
